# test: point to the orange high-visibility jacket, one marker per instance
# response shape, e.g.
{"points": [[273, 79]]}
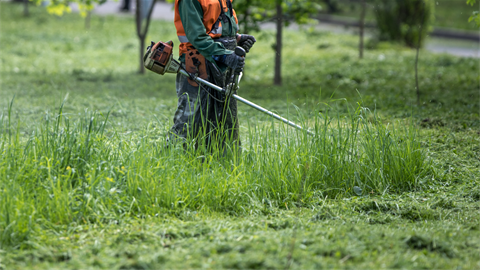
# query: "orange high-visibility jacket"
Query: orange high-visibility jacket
{"points": [[203, 22]]}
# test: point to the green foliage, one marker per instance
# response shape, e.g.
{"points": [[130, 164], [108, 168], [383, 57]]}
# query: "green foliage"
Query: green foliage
{"points": [[406, 21], [60, 7], [253, 12], [332, 6], [283, 12], [475, 16]]}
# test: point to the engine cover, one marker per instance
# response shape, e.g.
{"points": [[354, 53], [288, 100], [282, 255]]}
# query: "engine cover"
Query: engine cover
{"points": [[159, 58]]}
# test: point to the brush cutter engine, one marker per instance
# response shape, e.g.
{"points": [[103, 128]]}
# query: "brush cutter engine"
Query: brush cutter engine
{"points": [[159, 58]]}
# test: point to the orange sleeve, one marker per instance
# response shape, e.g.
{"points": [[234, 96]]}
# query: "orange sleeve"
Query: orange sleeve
{"points": [[235, 16]]}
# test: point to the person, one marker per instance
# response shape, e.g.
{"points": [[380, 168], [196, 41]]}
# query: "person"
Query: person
{"points": [[208, 32]]}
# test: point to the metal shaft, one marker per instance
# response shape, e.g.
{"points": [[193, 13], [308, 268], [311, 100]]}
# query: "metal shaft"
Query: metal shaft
{"points": [[251, 104]]}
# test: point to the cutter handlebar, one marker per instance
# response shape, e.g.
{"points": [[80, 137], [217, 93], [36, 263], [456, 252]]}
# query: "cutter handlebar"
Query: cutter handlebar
{"points": [[240, 51]]}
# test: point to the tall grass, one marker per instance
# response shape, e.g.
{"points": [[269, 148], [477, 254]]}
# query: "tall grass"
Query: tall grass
{"points": [[80, 171]]}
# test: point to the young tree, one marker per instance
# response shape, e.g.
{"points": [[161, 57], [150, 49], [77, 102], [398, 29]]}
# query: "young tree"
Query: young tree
{"points": [[277, 79], [362, 28], [143, 14], [26, 13], [399, 20], [282, 12], [417, 54]]}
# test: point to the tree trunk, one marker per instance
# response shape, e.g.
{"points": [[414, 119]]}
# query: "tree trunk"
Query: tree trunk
{"points": [[142, 30], [277, 80], [362, 28], [416, 56], [142, 51], [26, 13]]}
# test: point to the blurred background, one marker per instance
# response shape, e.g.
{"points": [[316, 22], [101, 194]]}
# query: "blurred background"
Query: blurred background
{"points": [[390, 51]]}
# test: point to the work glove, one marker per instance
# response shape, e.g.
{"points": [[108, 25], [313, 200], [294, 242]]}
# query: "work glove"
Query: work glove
{"points": [[246, 42], [235, 62]]}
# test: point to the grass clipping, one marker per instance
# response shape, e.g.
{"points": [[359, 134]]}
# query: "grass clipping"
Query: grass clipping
{"points": [[79, 171]]}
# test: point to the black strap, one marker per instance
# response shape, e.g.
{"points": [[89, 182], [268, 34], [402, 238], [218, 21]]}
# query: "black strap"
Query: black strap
{"points": [[222, 13], [229, 6]]}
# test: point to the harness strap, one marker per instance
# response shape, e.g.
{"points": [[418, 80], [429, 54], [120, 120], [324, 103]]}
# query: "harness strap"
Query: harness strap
{"points": [[229, 5], [216, 28]]}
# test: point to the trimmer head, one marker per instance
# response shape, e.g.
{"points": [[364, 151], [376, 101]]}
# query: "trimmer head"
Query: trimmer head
{"points": [[159, 58]]}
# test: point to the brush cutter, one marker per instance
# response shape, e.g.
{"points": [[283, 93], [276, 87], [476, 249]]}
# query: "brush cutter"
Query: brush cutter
{"points": [[159, 59]]}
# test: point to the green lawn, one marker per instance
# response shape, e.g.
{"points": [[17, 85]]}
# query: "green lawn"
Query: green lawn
{"points": [[86, 182]]}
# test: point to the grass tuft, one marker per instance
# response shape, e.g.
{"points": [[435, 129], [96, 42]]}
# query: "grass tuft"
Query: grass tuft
{"points": [[77, 169]]}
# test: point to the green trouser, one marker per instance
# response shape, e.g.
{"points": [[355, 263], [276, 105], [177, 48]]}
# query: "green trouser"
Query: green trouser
{"points": [[205, 117]]}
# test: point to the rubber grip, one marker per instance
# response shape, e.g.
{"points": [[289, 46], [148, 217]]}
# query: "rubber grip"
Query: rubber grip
{"points": [[240, 51]]}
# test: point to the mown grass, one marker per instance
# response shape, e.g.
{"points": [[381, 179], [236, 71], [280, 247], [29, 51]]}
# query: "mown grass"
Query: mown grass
{"points": [[88, 183]]}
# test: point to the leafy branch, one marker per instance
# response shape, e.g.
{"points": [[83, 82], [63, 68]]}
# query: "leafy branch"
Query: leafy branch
{"points": [[475, 16]]}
